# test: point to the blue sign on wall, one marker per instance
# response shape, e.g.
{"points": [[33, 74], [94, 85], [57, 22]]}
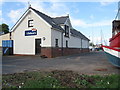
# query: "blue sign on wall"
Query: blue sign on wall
{"points": [[31, 32], [7, 43]]}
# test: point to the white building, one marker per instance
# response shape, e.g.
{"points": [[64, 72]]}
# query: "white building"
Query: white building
{"points": [[37, 33]]}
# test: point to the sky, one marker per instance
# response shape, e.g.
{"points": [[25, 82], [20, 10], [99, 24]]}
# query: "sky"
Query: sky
{"points": [[93, 19]]}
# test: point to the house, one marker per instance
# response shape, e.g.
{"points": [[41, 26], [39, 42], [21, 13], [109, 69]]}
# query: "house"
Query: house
{"points": [[36, 33]]}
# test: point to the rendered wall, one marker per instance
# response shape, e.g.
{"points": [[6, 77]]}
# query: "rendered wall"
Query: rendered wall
{"points": [[26, 44]]}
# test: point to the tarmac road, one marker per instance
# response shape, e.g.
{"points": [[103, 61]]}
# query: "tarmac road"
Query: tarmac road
{"points": [[85, 63]]}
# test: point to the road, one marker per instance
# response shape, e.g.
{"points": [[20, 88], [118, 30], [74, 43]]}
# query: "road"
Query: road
{"points": [[85, 63]]}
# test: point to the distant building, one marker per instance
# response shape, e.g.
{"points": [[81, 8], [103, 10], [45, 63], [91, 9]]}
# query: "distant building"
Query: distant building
{"points": [[1, 33], [37, 33]]}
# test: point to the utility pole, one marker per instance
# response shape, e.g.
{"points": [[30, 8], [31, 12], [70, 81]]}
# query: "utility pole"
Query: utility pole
{"points": [[101, 37]]}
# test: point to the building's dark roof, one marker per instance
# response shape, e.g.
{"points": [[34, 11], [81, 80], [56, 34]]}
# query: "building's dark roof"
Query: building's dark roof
{"points": [[60, 20], [77, 33], [55, 23], [48, 19]]}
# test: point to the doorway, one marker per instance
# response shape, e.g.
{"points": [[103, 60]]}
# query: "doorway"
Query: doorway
{"points": [[37, 46]]}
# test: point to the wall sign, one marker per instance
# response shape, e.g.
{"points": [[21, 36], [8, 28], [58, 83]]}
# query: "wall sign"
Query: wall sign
{"points": [[31, 32]]}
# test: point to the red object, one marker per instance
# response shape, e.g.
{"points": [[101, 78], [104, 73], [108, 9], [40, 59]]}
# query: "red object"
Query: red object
{"points": [[112, 48], [34, 29], [115, 41]]}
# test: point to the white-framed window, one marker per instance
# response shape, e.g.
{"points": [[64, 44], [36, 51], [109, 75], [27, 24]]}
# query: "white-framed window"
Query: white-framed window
{"points": [[66, 43], [56, 42], [30, 23]]}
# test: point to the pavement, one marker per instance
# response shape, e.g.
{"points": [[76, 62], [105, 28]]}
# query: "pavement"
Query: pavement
{"points": [[84, 63]]}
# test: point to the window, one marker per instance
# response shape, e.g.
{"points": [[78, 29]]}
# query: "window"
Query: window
{"points": [[66, 31], [56, 42], [30, 23], [66, 43]]}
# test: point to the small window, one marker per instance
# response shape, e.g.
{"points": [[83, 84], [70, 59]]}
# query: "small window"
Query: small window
{"points": [[56, 42], [66, 43], [30, 23], [66, 31]]}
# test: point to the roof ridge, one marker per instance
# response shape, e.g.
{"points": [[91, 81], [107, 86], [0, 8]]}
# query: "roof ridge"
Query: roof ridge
{"points": [[42, 13], [61, 16], [48, 19]]}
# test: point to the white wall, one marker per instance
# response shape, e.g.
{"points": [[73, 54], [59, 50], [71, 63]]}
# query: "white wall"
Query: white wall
{"points": [[73, 42], [26, 44], [64, 41], [85, 43], [5, 36], [56, 35]]}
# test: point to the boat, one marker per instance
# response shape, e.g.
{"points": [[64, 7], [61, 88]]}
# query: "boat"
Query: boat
{"points": [[113, 55], [113, 50]]}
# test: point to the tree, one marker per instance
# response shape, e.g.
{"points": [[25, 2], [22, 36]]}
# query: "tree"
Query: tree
{"points": [[4, 28], [91, 44], [0, 28]]}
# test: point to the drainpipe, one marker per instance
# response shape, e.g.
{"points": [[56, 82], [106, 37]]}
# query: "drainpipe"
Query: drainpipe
{"points": [[10, 35], [62, 42], [81, 44]]}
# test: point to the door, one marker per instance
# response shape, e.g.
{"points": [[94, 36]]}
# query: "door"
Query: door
{"points": [[37, 46]]}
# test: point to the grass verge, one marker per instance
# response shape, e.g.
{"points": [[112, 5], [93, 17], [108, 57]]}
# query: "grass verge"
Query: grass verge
{"points": [[59, 79]]}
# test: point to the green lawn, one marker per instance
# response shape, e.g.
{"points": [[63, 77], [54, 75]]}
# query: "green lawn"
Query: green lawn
{"points": [[59, 79]]}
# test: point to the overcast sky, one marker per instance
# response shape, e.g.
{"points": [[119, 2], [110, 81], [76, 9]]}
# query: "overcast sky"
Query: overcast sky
{"points": [[90, 18]]}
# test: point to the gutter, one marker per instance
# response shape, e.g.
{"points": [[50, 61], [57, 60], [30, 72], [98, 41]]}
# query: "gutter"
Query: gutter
{"points": [[57, 29]]}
